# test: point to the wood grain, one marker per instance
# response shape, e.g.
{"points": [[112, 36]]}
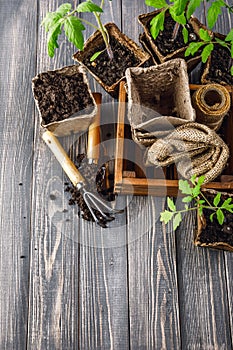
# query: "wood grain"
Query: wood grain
{"points": [[17, 64]]}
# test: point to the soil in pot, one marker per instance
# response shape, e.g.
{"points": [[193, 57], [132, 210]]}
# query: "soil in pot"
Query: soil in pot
{"points": [[218, 68], [60, 96], [214, 235], [109, 71]]}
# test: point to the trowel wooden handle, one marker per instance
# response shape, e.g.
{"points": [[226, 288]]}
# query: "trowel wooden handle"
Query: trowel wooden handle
{"points": [[94, 132], [68, 166]]}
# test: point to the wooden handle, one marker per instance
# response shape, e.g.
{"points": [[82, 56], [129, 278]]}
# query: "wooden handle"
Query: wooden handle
{"points": [[94, 132], [68, 166]]}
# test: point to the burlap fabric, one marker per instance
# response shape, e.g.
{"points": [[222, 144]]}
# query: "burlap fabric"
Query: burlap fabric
{"points": [[158, 100], [194, 148], [212, 102]]}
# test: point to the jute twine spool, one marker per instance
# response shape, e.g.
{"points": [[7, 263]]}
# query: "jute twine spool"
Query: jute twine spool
{"points": [[194, 148], [211, 102]]}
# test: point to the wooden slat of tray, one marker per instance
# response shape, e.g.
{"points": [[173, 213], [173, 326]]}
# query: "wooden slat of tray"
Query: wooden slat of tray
{"points": [[152, 186]]}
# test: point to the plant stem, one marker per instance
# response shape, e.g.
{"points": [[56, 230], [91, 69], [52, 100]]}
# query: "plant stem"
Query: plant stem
{"points": [[105, 37]]}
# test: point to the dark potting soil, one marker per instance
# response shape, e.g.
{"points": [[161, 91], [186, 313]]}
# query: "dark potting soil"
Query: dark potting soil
{"points": [[96, 184], [110, 71], [220, 65], [59, 96], [214, 232], [165, 41]]}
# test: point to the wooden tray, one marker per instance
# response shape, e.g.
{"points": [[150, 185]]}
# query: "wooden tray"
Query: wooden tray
{"points": [[132, 178]]}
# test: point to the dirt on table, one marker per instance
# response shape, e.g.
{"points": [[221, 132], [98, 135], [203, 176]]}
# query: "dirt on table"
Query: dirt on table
{"points": [[60, 96], [110, 71]]}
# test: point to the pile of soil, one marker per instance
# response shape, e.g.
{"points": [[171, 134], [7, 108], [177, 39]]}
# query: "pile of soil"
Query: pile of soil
{"points": [[214, 232], [95, 177], [165, 42], [220, 65], [59, 96], [110, 71]]}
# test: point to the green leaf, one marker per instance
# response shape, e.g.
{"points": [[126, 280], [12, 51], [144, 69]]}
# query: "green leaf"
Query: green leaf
{"points": [[229, 36], [171, 204], [213, 12], [220, 216], [200, 201], [231, 70], [166, 216], [73, 29], [212, 217], [206, 52], [50, 20], [192, 6], [200, 210], [181, 19], [177, 220], [196, 190], [204, 35], [88, 6], [64, 8], [232, 50], [96, 54], [221, 42], [179, 6], [187, 199], [217, 199], [185, 35], [184, 187], [157, 24], [193, 48], [226, 203], [52, 38], [158, 4], [193, 179], [201, 180]]}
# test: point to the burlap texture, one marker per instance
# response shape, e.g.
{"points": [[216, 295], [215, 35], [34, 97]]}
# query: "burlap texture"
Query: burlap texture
{"points": [[158, 100], [212, 102], [194, 148]]}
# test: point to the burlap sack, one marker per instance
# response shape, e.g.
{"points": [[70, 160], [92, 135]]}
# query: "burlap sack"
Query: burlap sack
{"points": [[194, 148], [158, 100]]}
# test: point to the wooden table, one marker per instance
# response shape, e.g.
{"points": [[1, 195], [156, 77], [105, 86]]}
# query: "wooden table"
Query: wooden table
{"points": [[59, 288]]}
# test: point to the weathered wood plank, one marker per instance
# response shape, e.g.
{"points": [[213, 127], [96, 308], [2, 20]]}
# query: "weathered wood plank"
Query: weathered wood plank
{"points": [[17, 64]]}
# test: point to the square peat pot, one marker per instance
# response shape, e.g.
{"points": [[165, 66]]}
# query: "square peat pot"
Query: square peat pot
{"points": [[64, 100], [109, 73], [163, 51], [133, 177], [212, 234]]}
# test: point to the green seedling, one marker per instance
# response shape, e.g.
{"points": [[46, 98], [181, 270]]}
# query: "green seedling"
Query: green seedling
{"points": [[193, 194], [65, 18]]}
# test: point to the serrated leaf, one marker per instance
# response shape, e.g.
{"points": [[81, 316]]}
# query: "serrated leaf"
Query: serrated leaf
{"points": [[158, 4], [231, 70], [171, 204], [196, 190], [52, 38], [157, 24], [192, 6], [187, 199], [177, 220], [217, 199], [184, 187], [50, 20], [206, 52], [193, 48], [213, 12], [185, 35], [96, 54], [212, 217], [226, 203], [88, 6], [181, 19], [220, 216], [64, 8], [179, 6], [229, 36], [166, 216], [204, 35], [73, 29]]}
